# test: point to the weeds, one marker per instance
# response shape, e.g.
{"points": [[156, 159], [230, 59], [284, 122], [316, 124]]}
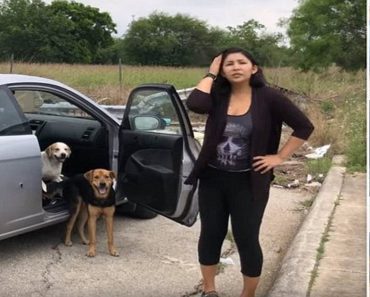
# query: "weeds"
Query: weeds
{"points": [[355, 149], [306, 204], [281, 179], [318, 167]]}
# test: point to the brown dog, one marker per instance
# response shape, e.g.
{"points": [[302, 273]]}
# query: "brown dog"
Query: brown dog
{"points": [[91, 195]]}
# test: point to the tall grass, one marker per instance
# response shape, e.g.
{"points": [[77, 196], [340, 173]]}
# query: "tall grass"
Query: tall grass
{"points": [[337, 107], [335, 100], [102, 81], [355, 133]]}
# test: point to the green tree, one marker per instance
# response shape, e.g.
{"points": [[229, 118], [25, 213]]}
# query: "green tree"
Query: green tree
{"points": [[161, 39], [326, 32], [21, 23], [265, 47], [84, 28], [112, 53], [60, 32]]}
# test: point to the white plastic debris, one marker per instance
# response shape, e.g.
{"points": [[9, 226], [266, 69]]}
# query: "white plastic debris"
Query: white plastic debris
{"points": [[293, 184], [227, 261], [314, 184], [309, 178], [318, 152]]}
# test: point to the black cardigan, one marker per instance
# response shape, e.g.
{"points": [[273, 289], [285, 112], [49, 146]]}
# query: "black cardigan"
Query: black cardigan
{"points": [[269, 109]]}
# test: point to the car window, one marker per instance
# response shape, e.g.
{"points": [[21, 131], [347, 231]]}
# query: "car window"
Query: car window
{"points": [[153, 110], [12, 121], [42, 102]]}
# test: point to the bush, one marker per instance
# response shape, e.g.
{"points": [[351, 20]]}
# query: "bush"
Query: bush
{"points": [[356, 134]]}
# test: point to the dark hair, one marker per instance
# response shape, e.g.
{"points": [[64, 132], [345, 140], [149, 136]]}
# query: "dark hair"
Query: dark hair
{"points": [[222, 87]]}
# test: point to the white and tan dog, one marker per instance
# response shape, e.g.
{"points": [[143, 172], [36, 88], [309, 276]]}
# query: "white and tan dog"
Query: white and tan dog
{"points": [[52, 159]]}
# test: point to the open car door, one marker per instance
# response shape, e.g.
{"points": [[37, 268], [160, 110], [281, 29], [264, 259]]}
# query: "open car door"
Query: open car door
{"points": [[157, 151]]}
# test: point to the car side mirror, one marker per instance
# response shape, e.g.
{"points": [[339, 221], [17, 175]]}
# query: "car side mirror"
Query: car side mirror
{"points": [[147, 122]]}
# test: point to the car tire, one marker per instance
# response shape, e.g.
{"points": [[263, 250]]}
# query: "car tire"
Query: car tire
{"points": [[136, 211], [143, 213]]}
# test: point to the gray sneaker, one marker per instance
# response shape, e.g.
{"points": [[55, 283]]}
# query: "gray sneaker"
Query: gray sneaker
{"points": [[209, 294]]}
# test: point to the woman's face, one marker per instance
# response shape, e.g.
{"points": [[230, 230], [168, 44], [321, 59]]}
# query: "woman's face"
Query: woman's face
{"points": [[237, 68]]}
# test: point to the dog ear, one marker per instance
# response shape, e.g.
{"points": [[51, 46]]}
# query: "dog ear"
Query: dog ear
{"points": [[112, 174], [89, 175], [69, 150], [49, 151]]}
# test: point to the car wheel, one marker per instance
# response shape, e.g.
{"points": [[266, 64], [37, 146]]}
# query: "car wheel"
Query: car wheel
{"points": [[136, 211], [143, 213]]}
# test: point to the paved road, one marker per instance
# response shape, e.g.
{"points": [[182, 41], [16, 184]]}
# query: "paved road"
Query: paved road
{"points": [[157, 257]]}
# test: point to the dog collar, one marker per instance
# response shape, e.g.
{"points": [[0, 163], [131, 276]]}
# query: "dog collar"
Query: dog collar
{"points": [[102, 202]]}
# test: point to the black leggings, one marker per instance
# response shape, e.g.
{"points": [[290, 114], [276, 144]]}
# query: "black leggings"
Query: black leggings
{"points": [[223, 194]]}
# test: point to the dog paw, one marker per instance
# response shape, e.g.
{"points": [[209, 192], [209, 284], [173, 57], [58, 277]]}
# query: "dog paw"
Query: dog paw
{"points": [[68, 243], [91, 254], [114, 253]]}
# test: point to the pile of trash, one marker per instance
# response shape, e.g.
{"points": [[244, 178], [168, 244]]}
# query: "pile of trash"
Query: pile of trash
{"points": [[293, 174]]}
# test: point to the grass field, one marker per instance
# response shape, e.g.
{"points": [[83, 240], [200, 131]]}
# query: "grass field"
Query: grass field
{"points": [[102, 82], [336, 100]]}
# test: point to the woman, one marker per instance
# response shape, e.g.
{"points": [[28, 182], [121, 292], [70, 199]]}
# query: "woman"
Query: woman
{"points": [[235, 165]]}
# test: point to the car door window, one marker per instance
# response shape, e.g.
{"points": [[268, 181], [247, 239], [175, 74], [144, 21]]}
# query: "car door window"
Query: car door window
{"points": [[12, 121], [42, 102], [154, 111]]}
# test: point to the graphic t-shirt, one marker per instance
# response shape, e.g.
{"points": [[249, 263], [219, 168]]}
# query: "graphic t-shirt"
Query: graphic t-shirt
{"points": [[233, 152]]}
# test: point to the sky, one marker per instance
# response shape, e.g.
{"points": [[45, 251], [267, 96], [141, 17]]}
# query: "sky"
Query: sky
{"points": [[216, 13]]}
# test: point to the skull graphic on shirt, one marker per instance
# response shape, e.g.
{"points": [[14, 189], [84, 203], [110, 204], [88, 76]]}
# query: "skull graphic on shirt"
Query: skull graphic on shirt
{"points": [[233, 146]]}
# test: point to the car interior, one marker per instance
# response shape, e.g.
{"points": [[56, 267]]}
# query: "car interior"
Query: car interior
{"points": [[87, 138], [53, 119]]}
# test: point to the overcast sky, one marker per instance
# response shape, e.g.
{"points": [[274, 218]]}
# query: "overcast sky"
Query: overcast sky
{"points": [[220, 13]]}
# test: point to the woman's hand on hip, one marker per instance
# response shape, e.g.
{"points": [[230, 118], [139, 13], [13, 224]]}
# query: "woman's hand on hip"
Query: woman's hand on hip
{"points": [[266, 163]]}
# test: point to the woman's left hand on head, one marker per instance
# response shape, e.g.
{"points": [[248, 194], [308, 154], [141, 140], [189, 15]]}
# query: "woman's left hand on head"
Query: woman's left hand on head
{"points": [[263, 164]]}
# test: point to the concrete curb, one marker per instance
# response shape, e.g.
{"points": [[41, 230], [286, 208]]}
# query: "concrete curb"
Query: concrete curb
{"points": [[295, 272]]}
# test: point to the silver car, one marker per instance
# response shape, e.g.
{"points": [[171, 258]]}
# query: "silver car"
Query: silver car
{"points": [[152, 150]]}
